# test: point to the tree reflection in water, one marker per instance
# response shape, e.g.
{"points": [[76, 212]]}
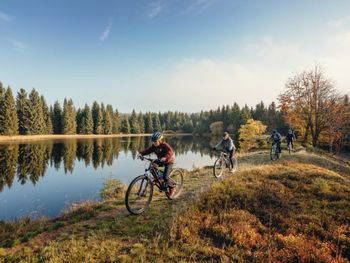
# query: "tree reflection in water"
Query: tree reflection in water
{"points": [[30, 161]]}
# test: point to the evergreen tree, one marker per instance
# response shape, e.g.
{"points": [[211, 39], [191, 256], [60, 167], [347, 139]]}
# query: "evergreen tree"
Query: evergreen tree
{"points": [[79, 121], [87, 122], [2, 108], [68, 117], [22, 107], [107, 119], [148, 123], [141, 122], [9, 114], [134, 123], [57, 118], [156, 123], [47, 117], [125, 125], [97, 118], [116, 122], [34, 117]]}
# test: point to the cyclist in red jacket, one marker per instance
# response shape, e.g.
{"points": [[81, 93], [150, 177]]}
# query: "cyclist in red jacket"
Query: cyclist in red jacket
{"points": [[164, 154]]}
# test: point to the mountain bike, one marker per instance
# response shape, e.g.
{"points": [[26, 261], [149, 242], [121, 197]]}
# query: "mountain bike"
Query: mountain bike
{"points": [[140, 191], [223, 163], [274, 152]]}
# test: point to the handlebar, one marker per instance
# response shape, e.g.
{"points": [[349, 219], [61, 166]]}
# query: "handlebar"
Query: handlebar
{"points": [[142, 158]]}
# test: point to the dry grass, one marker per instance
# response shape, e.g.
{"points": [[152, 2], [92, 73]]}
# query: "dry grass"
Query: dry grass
{"points": [[289, 211]]}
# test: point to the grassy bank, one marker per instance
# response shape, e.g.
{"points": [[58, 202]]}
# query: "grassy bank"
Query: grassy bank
{"points": [[26, 138], [294, 210]]}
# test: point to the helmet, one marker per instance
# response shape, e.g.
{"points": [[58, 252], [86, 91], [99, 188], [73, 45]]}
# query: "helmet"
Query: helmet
{"points": [[290, 131], [225, 134], [156, 136], [274, 131]]}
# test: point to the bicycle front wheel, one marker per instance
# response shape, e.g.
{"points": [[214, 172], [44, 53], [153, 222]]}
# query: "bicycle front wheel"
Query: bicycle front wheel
{"points": [[139, 195], [219, 167]]}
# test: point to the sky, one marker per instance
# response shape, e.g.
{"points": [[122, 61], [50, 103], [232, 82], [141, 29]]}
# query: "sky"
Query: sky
{"points": [[159, 55]]}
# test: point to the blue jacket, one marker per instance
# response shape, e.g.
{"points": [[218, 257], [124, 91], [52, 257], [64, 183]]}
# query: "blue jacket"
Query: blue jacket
{"points": [[226, 145]]}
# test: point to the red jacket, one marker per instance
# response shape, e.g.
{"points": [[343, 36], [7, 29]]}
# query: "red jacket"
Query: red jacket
{"points": [[162, 151]]}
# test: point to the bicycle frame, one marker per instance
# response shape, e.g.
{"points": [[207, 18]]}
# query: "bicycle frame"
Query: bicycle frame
{"points": [[152, 169]]}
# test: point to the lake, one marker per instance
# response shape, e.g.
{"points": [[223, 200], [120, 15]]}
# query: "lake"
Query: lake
{"points": [[42, 178]]}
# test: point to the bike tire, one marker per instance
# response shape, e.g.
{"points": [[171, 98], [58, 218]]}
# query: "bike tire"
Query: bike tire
{"points": [[216, 172], [235, 165], [129, 193], [178, 183]]}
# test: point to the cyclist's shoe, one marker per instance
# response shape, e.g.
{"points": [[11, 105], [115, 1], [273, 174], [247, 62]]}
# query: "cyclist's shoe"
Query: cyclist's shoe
{"points": [[171, 191]]}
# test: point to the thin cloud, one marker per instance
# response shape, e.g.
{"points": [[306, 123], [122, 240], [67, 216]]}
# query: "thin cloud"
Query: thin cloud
{"points": [[17, 45], [339, 22], [199, 6], [106, 31], [156, 9], [5, 17]]}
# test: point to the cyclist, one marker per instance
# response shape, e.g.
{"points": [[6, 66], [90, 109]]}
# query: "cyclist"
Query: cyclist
{"points": [[276, 138], [227, 145], [164, 154], [290, 137]]}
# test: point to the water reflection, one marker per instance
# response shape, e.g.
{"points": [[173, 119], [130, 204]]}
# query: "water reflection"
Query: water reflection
{"points": [[29, 162]]}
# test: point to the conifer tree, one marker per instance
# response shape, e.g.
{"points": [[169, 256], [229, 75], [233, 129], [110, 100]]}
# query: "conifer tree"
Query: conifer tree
{"points": [[125, 125], [87, 122], [156, 123], [79, 121], [116, 122], [22, 107], [134, 123], [97, 118], [2, 108], [148, 123], [107, 119], [141, 122], [47, 117], [34, 117], [68, 117], [9, 113], [57, 118]]}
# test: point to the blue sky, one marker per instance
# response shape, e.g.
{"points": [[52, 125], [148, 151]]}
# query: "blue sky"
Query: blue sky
{"points": [[170, 54]]}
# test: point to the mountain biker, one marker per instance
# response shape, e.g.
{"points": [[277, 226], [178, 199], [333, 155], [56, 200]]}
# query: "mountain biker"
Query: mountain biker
{"points": [[290, 137], [164, 154], [276, 138], [227, 145]]}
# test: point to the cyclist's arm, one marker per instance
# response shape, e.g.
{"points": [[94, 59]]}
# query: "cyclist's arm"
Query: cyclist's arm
{"points": [[218, 146], [148, 151]]}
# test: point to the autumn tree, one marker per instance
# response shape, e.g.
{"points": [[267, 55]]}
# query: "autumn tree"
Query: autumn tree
{"points": [[308, 102], [250, 134]]}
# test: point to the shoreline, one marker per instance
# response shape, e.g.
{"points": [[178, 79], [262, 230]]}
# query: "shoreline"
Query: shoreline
{"points": [[41, 137]]}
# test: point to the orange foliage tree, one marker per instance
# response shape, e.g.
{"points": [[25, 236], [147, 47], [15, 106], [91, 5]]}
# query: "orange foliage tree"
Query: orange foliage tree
{"points": [[310, 103]]}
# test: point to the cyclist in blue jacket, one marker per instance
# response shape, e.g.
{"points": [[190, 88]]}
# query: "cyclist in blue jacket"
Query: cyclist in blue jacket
{"points": [[227, 145]]}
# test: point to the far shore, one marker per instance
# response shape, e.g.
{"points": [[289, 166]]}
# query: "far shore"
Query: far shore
{"points": [[26, 138]]}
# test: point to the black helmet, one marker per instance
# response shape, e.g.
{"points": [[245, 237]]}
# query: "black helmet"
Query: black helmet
{"points": [[156, 136], [274, 131]]}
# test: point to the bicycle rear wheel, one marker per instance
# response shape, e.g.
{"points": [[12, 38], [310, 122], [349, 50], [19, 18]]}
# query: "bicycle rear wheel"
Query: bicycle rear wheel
{"points": [[219, 167], [139, 195], [175, 184], [235, 165]]}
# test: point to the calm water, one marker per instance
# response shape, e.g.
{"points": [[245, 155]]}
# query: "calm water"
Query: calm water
{"points": [[41, 178]]}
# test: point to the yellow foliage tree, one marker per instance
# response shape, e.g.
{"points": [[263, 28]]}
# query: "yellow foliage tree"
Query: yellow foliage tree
{"points": [[250, 133]]}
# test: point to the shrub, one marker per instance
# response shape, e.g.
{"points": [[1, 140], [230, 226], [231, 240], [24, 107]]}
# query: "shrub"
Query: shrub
{"points": [[112, 189]]}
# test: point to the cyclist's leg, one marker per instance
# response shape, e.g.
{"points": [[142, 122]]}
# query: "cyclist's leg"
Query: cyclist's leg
{"points": [[167, 169], [231, 158], [279, 146]]}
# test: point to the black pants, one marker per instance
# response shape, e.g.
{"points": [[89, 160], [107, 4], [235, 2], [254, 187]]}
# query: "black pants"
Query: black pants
{"points": [[167, 169], [231, 153], [279, 149], [288, 142]]}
